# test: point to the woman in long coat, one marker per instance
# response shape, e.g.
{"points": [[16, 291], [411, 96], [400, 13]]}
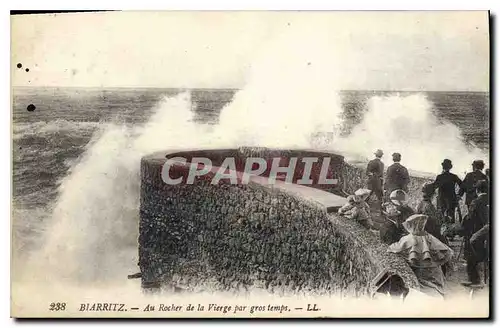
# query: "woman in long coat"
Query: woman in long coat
{"points": [[424, 253]]}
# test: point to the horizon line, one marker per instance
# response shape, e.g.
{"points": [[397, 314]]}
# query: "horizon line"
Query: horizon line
{"points": [[227, 88]]}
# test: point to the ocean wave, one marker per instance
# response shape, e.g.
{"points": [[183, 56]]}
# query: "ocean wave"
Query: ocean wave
{"points": [[98, 197], [21, 130], [407, 124]]}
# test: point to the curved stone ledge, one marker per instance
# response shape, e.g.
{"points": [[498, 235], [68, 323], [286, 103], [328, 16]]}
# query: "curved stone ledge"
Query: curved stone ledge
{"points": [[254, 235]]}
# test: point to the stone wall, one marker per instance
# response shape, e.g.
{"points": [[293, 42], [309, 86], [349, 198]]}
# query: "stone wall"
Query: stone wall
{"points": [[237, 237]]}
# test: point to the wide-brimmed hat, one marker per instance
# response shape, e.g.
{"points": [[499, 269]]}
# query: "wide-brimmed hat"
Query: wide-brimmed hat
{"points": [[362, 192], [379, 152], [354, 199], [415, 223], [398, 197]]}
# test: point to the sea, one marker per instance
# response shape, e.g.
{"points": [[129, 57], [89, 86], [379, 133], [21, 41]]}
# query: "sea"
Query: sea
{"points": [[76, 155]]}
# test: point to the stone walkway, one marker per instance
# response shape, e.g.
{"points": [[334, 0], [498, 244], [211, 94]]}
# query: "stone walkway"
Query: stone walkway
{"points": [[330, 201]]}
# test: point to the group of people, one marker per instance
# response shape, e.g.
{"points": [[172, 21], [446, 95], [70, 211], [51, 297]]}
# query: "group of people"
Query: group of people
{"points": [[421, 235]]}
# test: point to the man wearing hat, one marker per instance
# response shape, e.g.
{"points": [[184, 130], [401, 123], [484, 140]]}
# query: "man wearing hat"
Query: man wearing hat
{"points": [[475, 251], [446, 183], [468, 186], [397, 176], [375, 173]]}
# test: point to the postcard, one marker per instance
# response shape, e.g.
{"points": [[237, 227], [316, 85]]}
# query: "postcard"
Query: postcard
{"points": [[250, 164]]}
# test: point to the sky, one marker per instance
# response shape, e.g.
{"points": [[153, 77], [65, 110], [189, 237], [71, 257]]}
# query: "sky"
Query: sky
{"points": [[364, 50]]}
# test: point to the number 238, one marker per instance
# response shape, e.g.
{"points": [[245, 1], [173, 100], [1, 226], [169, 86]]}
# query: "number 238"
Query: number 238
{"points": [[57, 306]]}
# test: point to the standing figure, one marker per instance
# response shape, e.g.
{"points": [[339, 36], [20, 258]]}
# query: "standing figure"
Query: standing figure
{"points": [[446, 183], [470, 181], [397, 176], [477, 219], [481, 241], [395, 213], [375, 173], [434, 218], [424, 253]]}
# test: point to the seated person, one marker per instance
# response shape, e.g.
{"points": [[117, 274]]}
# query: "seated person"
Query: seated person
{"points": [[395, 212], [424, 253], [357, 209], [434, 218]]}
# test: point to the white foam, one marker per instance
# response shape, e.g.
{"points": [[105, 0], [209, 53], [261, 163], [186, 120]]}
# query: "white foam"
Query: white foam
{"points": [[60, 125], [94, 226], [408, 125], [291, 91]]}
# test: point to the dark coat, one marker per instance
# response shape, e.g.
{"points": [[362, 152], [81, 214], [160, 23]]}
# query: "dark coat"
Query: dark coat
{"points": [[479, 243], [397, 177], [375, 172], [446, 183], [478, 216], [480, 237], [477, 219], [391, 232], [434, 220], [468, 185]]}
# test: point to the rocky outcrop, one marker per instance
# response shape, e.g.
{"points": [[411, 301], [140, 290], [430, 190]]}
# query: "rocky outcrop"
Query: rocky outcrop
{"points": [[251, 236]]}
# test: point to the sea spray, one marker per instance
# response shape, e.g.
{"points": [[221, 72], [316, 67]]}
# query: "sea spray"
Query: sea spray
{"points": [[292, 96], [407, 124], [291, 92], [93, 230]]}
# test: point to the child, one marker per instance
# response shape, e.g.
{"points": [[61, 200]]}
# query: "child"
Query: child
{"points": [[357, 209], [424, 253]]}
